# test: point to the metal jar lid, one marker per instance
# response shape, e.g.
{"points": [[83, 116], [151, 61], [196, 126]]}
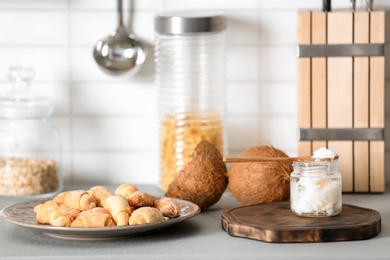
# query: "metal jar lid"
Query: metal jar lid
{"points": [[186, 22]]}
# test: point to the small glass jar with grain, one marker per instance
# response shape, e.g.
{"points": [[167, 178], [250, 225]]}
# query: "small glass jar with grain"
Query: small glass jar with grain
{"points": [[30, 147]]}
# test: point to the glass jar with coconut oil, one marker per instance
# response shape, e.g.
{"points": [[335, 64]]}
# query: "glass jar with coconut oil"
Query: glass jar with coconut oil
{"points": [[316, 189]]}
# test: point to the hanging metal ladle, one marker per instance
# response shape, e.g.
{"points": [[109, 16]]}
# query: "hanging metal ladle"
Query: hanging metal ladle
{"points": [[119, 53], [369, 5]]}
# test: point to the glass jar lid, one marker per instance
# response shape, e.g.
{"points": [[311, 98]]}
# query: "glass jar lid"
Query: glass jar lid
{"points": [[20, 101]]}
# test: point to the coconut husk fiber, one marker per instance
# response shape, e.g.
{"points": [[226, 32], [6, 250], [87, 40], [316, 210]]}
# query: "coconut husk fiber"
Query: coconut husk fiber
{"points": [[203, 180], [260, 182]]}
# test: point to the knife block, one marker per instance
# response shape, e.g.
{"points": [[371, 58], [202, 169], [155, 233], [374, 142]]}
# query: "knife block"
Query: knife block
{"points": [[341, 84]]}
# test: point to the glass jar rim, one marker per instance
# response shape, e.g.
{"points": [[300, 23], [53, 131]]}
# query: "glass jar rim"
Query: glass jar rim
{"points": [[316, 168], [317, 162]]}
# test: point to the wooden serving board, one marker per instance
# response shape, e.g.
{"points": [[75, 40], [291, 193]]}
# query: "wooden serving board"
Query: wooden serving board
{"points": [[274, 222]]}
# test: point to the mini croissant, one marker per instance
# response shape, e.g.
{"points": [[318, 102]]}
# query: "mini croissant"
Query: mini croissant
{"points": [[119, 209], [54, 214], [96, 217], [145, 215], [100, 193], [61, 218], [140, 199], [167, 207], [78, 199], [125, 190], [44, 211]]}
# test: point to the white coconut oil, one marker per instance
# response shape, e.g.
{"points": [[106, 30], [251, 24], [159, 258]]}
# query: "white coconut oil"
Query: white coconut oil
{"points": [[316, 186], [324, 153]]}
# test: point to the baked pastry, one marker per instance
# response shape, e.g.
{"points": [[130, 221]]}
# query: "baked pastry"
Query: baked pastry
{"points": [[117, 205], [96, 217], [95, 210], [140, 199], [78, 199], [53, 213], [167, 207], [98, 207], [119, 209], [61, 218], [100, 193], [44, 211], [60, 198], [72, 211], [145, 215], [125, 189]]}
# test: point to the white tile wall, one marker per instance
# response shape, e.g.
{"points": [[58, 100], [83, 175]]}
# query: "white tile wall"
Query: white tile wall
{"points": [[109, 124]]}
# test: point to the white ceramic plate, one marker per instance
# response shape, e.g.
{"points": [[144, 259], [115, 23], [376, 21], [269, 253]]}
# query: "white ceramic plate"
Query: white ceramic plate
{"points": [[23, 214]]}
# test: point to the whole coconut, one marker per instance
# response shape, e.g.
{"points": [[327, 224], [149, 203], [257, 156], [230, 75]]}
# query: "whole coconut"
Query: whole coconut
{"points": [[203, 180], [259, 182]]}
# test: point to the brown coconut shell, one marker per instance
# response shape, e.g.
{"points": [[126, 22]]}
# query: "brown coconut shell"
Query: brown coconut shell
{"points": [[203, 180], [259, 182]]}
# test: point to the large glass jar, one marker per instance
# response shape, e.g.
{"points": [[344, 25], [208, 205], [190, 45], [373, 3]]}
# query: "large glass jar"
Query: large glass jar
{"points": [[29, 144], [190, 76], [316, 188]]}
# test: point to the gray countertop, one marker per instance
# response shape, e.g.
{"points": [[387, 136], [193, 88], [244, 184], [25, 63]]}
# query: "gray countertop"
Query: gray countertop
{"points": [[200, 237]]}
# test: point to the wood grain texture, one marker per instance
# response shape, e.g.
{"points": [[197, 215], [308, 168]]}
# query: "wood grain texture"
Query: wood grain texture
{"points": [[377, 103], [274, 222], [344, 92], [361, 166], [305, 148], [377, 166], [361, 72], [319, 81], [377, 71], [304, 81], [361, 103], [344, 150], [377, 91], [340, 92]]}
